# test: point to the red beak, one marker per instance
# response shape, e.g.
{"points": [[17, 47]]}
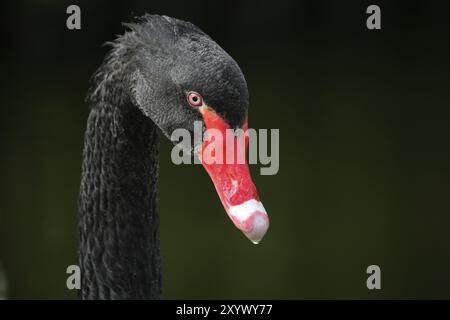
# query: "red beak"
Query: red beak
{"points": [[224, 156]]}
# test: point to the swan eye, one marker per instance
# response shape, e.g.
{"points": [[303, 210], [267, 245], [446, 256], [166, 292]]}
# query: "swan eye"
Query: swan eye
{"points": [[194, 99]]}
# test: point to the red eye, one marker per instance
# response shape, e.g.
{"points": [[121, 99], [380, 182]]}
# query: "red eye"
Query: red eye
{"points": [[194, 99]]}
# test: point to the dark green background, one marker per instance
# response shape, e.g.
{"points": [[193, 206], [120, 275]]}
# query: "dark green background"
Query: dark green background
{"points": [[364, 151]]}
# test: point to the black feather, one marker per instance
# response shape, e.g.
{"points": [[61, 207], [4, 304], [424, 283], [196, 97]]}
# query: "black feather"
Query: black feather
{"points": [[138, 91]]}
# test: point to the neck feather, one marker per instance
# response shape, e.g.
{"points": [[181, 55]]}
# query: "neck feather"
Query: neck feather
{"points": [[119, 228]]}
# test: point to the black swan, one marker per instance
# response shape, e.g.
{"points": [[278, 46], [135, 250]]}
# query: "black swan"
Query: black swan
{"points": [[161, 75]]}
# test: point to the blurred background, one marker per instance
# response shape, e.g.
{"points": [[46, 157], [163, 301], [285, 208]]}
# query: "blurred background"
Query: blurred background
{"points": [[364, 149]]}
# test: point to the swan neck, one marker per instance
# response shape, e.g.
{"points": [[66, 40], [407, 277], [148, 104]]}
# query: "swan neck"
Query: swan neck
{"points": [[119, 228]]}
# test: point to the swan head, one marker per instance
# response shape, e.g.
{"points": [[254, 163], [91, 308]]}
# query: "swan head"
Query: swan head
{"points": [[178, 76]]}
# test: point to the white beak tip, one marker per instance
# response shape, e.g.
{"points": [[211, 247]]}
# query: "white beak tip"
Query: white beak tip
{"points": [[260, 226], [251, 218]]}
